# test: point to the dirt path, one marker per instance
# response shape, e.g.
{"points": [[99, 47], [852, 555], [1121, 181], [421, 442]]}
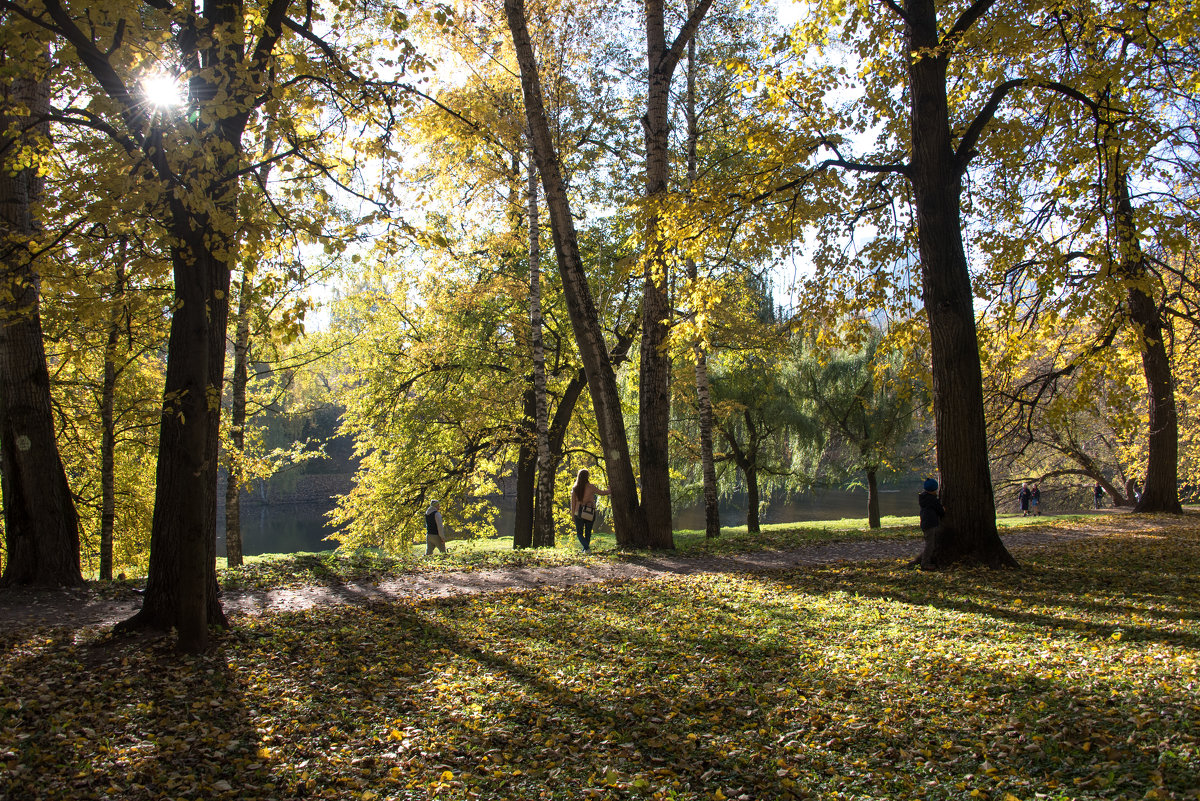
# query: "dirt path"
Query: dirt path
{"points": [[87, 607]]}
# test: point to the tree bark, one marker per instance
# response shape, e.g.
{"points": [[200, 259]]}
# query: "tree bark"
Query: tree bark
{"points": [[1160, 492], [708, 466], [543, 509], [936, 175], [628, 519], [654, 384], [526, 474], [873, 520], [108, 437], [235, 459], [41, 524], [751, 472]]}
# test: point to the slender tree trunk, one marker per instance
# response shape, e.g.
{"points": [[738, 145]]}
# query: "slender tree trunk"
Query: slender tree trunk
{"points": [[873, 520], [526, 473], [1160, 493], [108, 440], [235, 459], [41, 525], [750, 469], [543, 520], [936, 176], [708, 467], [628, 519]]}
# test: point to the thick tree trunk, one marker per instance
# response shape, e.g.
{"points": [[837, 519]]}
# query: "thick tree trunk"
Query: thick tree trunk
{"points": [[526, 474], [234, 460], [628, 519], [873, 520], [708, 467], [1160, 493], [108, 437], [936, 175], [41, 525], [181, 582], [654, 384]]}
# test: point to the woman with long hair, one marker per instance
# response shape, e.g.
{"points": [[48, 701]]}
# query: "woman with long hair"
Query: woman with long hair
{"points": [[583, 508]]}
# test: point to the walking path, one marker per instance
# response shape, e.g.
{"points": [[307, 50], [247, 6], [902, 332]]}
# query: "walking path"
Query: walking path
{"points": [[85, 608]]}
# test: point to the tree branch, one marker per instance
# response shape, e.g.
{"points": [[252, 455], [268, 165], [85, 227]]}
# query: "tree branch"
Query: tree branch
{"points": [[671, 57]]}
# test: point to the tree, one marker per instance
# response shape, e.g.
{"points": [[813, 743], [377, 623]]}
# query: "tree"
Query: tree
{"points": [[41, 525], [228, 52], [908, 52], [867, 400], [654, 375], [760, 420], [1117, 79], [628, 517]]}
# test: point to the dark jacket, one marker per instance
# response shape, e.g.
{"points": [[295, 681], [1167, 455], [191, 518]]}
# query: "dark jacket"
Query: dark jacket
{"points": [[931, 510]]}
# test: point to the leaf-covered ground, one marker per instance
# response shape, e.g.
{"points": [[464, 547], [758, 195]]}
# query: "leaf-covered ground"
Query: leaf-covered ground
{"points": [[1075, 678]]}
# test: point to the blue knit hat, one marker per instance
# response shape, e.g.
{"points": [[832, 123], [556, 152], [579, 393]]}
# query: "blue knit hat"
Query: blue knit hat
{"points": [[931, 485]]}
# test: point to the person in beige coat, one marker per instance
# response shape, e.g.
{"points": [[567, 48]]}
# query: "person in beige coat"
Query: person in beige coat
{"points": [[583, 508]]}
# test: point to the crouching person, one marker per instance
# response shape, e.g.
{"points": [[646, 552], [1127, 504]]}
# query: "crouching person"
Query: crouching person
{"points": [[932, 513]]}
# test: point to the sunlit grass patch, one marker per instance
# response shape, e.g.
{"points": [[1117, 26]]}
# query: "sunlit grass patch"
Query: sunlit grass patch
{"points": [[1075, 678], [367, 564]]}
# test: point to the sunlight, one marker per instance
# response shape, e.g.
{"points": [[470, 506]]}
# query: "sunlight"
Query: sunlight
{"points": [[163, 90]]}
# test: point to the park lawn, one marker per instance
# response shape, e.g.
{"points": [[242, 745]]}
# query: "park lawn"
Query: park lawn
{"points": [[368, 564], [1074, 678]]}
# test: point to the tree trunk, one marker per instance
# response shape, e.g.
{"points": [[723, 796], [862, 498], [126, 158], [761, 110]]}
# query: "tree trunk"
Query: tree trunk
{"points": [[750, 469], [543, 514], [936, 175], [708, 467], [235, 459], [1160, 492], [181, 574], [873, 520], [526, 474], [654, 384], [41, 525], [181, 585], [108, 437], [628, 518]]}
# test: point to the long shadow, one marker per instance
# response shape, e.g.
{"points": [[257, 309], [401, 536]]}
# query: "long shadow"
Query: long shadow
{"points": [[126, 718]]}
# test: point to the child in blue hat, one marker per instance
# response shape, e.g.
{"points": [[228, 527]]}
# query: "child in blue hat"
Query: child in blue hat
{"points": [[931, 508]]}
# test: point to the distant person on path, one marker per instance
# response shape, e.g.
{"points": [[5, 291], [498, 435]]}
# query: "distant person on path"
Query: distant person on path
{"points": [[435, 529], [1025, 496], [932, 511], [583, 508], [1098, 495], [1035, 499]]}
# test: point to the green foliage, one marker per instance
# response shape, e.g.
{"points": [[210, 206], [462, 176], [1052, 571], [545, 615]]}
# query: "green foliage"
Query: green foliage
{"points": [[1072, 679]]}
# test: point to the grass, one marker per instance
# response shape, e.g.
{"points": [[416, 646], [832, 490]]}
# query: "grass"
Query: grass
{"points": [[365, 564], [1074, 678]]}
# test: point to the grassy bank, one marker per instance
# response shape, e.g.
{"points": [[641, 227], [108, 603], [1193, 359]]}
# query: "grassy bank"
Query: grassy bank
{"points": [[1075, 678], [277, 570]]}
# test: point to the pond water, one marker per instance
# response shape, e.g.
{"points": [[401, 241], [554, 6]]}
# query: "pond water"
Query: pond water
{"points": [[292, 527], [279, 528]]}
